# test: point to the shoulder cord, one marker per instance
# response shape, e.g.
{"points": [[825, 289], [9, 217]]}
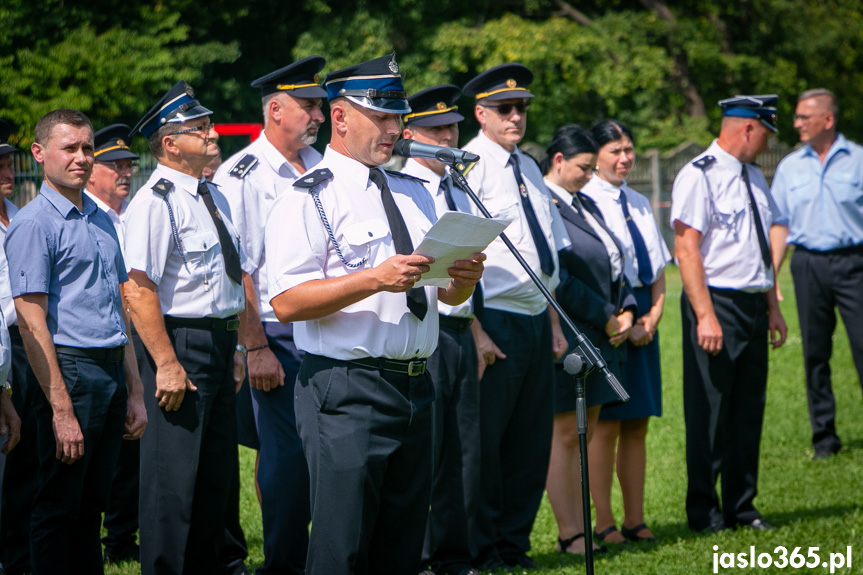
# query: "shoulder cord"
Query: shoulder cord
{"points": [[326, 223], [174, 231]]}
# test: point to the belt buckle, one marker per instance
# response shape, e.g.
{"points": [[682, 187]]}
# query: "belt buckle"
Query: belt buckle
{"points": [[416, 368], [232, 325]]}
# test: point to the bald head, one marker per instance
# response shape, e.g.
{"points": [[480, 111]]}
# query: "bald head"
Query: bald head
{"points": [[743, 138]]}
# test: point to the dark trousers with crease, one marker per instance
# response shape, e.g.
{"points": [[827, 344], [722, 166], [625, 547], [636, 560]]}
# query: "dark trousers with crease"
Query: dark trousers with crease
{"points": [[723, 408], [67, 509], [188, 459], [449, 543], [824, 281], [516, 417], [283, 475], [22, 466], [367, 438]]}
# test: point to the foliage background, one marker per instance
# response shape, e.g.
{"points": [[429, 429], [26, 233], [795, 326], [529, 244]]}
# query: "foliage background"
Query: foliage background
{"points": [[658, 66]]}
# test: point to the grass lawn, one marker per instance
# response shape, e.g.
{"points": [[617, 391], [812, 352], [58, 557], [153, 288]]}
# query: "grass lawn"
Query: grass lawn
{"points": [[812, 503]]}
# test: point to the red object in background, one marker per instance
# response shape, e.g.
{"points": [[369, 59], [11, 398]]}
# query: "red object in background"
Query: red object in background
{"points": [[250, 130]]}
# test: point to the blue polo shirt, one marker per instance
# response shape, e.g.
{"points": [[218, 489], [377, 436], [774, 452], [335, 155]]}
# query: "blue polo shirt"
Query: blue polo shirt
{"points": [[74, 257], [822, 204]]}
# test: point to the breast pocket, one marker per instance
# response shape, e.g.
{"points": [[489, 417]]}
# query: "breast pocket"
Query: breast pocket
{"points": [[846, 187], [363, 239], [199, 249], [728, 211]]}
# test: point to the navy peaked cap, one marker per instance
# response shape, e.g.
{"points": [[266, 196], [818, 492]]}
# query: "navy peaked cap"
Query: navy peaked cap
{"points": [[502, 82], [375, 84], [434, 106], [178, 105], [111, 144], [299, 79]]}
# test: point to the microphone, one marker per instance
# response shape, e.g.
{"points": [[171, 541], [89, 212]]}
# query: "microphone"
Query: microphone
{"points": [[450, 156]]}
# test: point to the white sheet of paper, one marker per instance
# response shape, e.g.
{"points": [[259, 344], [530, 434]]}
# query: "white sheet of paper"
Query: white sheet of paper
{"points": [[455, 236]]}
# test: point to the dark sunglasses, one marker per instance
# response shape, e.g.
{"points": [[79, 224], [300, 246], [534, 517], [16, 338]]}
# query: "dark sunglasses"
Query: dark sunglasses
{"points": [[506, 109]]}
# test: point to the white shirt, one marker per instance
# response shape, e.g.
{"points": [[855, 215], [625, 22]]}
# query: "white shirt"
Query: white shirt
{"points": [[251, 198], [116, 219], [615, 256], [299, 249], [200, 287], [433, 185], [607, 198], [506, 286], [729, 243], [7, 305]]}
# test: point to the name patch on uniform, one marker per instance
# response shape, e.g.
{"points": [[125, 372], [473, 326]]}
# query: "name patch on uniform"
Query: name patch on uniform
{"points": [[314, 178], [244, 166], [163, 186]]}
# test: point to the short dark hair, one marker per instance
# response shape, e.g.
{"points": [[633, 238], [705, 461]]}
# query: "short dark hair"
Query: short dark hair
{"points": [[570, 140], [610, 131], [45, 125]]}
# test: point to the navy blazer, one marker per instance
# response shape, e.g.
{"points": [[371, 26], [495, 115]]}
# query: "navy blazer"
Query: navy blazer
{"points": [[586, 291]]}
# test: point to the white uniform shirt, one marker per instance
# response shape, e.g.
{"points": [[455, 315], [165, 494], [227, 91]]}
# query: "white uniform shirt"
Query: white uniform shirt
{"points": [[615, 256], [607, 198], [506, 286], [414, 168], [299, 249], [251, 198], [729, 246], [116, 219], [7, 305], [200, 287]]}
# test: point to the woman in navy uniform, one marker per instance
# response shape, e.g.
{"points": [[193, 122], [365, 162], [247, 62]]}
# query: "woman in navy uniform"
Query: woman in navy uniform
{"points": [[594, 293]]}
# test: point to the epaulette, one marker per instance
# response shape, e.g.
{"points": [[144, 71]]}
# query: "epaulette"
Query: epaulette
{"points": [[703, 162], [465, 168], [163, 186], [395, 174], [243, 166], [313, 179]]}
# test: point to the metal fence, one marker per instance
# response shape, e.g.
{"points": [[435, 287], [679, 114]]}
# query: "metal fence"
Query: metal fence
{"points": [[652, 175]]}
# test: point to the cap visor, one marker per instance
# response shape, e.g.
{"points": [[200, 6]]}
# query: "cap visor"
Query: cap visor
{"points": [[437, 120], [194, 112], [7, 149], [385, 105], [116, 155], [510, 95]]}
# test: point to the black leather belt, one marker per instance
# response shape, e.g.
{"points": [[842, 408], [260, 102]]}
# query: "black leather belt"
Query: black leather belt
{"points": [[455, 323], [112, 354], [210, 323], [412, 367]]}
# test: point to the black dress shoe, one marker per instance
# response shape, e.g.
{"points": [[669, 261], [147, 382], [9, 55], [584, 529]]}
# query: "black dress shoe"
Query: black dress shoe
{"points": [[759, 525], [824, 453]]}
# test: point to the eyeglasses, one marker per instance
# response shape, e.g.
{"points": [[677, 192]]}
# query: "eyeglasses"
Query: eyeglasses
{"points": [[205, 128], [119, 165], [506, 109], [805, 118]]}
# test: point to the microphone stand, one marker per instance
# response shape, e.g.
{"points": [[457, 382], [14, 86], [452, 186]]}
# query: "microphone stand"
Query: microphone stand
{"points": [[581, 361]]}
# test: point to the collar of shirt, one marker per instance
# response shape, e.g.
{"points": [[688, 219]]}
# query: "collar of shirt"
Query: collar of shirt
{"points": [[840, 144], [606, 187], [495, 151], [181, 180], [414, 168], [347, 168], [277, 160], [115, 217], [558, 191], [724, 160], [63, 205]]}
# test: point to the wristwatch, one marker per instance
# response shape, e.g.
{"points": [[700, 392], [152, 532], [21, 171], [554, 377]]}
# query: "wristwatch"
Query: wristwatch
{"points": [[242, 349]]}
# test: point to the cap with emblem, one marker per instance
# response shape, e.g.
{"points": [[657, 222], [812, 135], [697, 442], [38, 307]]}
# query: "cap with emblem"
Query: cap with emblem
{"points": [[5, 132], [111, 144], [503, 82], [299, 79], [761, 107], [375, 85], [178, 105], [434, 106]]}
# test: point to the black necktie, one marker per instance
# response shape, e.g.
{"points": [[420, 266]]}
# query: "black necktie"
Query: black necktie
{"points": [[447, 193], [645, 270], [229, 252], [762, 240], [416, 297], [546, 263]]}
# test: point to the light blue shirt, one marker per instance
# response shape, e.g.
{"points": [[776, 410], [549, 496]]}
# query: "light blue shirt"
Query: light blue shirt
{"points": [[822, 204], [74, 257]]}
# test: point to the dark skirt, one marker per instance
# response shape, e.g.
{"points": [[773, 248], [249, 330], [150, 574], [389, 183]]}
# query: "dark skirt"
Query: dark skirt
{"points": [[643, 374]]}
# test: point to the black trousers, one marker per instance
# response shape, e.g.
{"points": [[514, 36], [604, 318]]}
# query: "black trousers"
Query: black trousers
{"points": [[121, 515], [67, 509], [723, 407], [824, 281], [516, 418], [283, 475], [22, 466], [188, 459], [367, 438], [455, 492]]}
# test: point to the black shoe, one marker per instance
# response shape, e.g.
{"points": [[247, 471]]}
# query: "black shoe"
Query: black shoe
{"points": [[519, 560], [127, 553], [493, 565], [759, 525], [824, 453]]}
